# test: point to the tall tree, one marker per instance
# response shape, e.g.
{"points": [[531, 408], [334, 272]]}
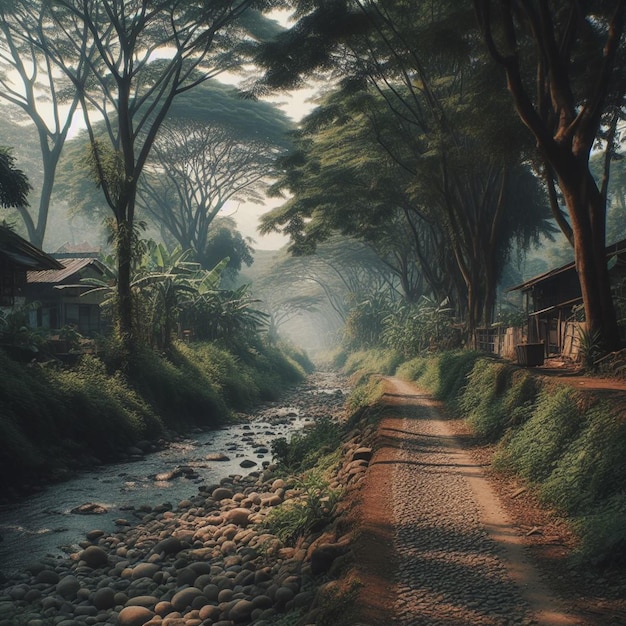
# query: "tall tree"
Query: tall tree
{"points": [[30, 81], [564, 65], [214, 148], [457, 154], [147, 54]]}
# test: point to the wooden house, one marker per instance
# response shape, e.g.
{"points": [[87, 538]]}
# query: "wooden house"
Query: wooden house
{"points": [[65, 301], [550, 300], [17, 258]]}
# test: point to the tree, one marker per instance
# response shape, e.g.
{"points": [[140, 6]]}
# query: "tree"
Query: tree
{"points": [[214, 148], [445, 216], [310, 297], [147, 54], [225, 241], [422, 85], [14, 185], [30, 81], [564, 65]]}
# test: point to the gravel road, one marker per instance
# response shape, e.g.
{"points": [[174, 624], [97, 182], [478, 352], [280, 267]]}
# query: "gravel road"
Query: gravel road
{"points": [[457, 557]]}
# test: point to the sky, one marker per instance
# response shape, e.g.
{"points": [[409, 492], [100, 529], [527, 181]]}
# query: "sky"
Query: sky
{"points": [[295, 104]]}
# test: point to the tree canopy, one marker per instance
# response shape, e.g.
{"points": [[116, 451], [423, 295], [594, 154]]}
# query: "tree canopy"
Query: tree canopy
{"points": [[415, 128], [14, 185]]}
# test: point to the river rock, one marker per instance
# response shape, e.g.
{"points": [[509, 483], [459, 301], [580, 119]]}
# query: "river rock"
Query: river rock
{"points": [[134, 616], [217, 456], [144, 570], [47, 577], [185, 598], [283, 595], [362, 454], [247, 463], [67, 587], [170, 545], [241, 611], [147, 601], [94, 557], [104, 598], [239, 516], [221, 493], [89, 508]]}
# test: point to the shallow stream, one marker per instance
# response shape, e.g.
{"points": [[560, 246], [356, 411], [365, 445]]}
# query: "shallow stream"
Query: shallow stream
{"points": [[43, 525]]}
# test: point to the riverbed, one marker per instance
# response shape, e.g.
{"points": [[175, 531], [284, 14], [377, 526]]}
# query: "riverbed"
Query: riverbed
{"points": [[44, 525]]}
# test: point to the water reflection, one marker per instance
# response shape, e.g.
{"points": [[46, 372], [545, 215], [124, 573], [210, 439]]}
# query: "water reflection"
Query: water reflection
{"points": [[44, 525]]}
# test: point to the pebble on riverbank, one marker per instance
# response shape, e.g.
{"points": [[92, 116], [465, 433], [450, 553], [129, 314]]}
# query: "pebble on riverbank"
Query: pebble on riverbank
{"points": [[207, 562]]}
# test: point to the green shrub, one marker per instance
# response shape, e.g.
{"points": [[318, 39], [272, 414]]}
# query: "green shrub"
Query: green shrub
{"points": [[594, 467], [497, 397], [413, 369], [536, 447], [367, 393], [444, 374], [307, 447], [454, 369], [180, 391], [296, 517], [604, 534], [297, 355], [366, 362]]}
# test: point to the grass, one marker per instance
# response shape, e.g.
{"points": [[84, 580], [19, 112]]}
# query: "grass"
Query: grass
{"points": [[298, 516], [53, 420], [305, 449], [364, 363]]}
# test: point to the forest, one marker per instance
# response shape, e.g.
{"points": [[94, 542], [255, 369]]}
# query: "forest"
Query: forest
{"points": [[204, 200]]}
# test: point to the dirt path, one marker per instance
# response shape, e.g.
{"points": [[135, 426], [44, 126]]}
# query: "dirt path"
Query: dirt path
{"points": [[436, 547]]}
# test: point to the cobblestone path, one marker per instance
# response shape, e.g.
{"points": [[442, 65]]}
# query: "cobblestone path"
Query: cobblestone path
{"points": [[457, 560]]}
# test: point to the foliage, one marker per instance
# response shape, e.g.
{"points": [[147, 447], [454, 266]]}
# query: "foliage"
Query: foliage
{"points": [[304, 449], [26, 75], [215, 148], [366, 393], [314, 508], [53, 419], [14, 185], [497, 398], [590, 344], [536, 447], [605, 534], [296, 354], [445, 374], [364, 324], [566, 80], [15, 327], [407, 153], [184, 395], [376, 361], [413, 328], [130, 91]]}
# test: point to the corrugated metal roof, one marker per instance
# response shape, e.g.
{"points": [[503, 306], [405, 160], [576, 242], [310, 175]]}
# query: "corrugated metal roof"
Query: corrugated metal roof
{"points": [[72, 266], [615, 248], [23, 253]]}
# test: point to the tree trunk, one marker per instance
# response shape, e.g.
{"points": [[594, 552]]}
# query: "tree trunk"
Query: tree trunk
{"points": [[588, 216], [124, 295]]}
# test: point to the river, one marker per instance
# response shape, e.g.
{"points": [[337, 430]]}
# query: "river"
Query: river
{"points": [[44, 527]]}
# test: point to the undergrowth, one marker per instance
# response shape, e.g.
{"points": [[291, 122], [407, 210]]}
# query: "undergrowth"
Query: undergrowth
{"points": [[55, 419], [310, 512], [305, 448]]}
